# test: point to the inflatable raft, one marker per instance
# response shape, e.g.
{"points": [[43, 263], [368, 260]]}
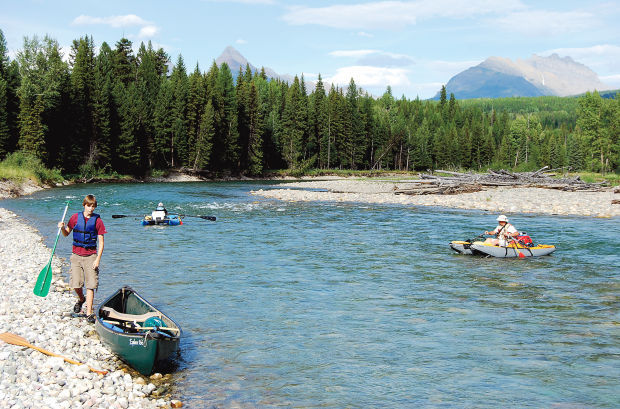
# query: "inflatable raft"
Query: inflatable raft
{"points": [[513, 249], [169, 220]]}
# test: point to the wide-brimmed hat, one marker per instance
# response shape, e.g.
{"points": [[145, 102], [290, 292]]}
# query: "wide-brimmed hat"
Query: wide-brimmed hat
{"points": [[502, 218]]}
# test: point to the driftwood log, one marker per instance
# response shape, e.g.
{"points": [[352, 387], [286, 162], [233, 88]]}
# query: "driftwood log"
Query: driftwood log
{"points": [[456, 182]]}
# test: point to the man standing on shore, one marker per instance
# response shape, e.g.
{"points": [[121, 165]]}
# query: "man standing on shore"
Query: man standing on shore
{"points": [[88, 231]]}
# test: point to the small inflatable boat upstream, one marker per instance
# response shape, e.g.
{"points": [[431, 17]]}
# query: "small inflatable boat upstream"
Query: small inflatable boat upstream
{"points": [[168, 220], [512, 249]]}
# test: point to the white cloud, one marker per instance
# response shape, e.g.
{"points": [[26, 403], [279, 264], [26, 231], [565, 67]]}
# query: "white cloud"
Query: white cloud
{"points": [[352, 53], [394, 14], [241, 41], [244, 1], [113, 21], [536, 23], [365, 34], [367, 76], [611, 80], [148, 31]]}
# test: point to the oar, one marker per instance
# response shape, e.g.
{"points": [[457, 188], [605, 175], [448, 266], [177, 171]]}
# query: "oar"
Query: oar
{"points": [[17, 340], [212, 218], [118, 216], [516, 244], [42, 287]]}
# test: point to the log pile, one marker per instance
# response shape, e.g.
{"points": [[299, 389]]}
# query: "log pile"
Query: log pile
{"points": [[456, 182]]}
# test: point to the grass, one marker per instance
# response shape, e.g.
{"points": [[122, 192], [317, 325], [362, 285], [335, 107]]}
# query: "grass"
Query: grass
{"points": [[20, 166], [591, 177]]}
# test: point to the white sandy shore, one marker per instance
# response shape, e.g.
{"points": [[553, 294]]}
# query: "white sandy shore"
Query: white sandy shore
{"points": [[30, 379], [498, 200]]}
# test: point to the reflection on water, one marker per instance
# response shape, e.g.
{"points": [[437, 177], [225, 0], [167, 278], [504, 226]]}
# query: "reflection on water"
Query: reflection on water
{"points": [[342, 305]]}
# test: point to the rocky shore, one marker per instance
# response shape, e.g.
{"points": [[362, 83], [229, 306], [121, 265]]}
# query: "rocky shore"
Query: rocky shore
{"points": [[30, 379], [497, 200]]}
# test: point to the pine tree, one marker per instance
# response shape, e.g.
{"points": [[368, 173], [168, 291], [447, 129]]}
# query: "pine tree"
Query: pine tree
{"points": [[293, 126], [5, 134], [84, 149], [124, 62], [164, 124], [177, 143], [6, 99], [255, 145], [44, 81], [32, 137], [243, 116], [147, 88], [105, 116], [204, 139], [196, 102], [320, 130], [226, 139], [131, 139]]}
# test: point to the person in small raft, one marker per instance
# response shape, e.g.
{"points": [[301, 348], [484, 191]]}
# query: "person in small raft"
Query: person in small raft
{"points": [[504, 232], [160, 213]]}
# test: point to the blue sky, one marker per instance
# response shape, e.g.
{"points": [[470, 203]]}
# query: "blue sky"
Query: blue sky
{"points": [[413, 46]]}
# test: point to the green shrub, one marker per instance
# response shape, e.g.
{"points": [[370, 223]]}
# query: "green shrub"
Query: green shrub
{"points": [[20, 166]]}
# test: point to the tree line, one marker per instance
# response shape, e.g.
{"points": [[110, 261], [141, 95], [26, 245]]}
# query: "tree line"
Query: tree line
{"points": [[116, 111]]}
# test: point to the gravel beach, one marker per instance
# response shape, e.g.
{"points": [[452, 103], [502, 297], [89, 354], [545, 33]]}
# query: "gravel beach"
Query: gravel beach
{"points": [[497, 200], [30, 379]]}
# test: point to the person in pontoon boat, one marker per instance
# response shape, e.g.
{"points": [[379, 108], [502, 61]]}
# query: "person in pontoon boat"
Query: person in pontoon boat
{"points": [[504, 231], [159, 213]]}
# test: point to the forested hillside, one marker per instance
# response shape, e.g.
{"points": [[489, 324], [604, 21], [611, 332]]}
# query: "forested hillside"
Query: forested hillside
{"points": [[116, 111]]}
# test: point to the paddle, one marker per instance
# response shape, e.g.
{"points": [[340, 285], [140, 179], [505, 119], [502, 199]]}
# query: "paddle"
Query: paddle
{"points": [[17, 340], [118, 216], [212, 218], [516, 244], [42, 287]]}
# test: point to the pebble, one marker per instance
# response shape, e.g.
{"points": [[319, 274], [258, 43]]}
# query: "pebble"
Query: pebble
{"points": [[30, 379]]}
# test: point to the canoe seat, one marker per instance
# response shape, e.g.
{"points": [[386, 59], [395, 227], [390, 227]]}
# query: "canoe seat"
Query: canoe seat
{"points": [[109, 312]]}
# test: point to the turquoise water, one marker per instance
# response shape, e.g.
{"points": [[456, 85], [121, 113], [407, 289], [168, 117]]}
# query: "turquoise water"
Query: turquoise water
{"points": [[307, 305]]}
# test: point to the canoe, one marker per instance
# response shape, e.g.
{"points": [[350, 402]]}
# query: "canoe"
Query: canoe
{"points": [[512, 250], [170, 220], [135, 330]]}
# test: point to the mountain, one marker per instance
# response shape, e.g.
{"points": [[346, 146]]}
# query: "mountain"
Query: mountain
{"points": [[235, 60], [498, 77]]}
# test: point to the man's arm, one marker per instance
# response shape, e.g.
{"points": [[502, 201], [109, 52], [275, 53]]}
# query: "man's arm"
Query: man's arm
{"points": [[99, 251]]}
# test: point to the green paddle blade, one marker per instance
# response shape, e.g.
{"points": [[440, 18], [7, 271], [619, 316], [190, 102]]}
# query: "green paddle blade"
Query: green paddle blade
{"points": [[42, 287]]}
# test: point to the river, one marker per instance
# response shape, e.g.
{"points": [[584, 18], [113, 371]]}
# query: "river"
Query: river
{"points": [[308, 305]]}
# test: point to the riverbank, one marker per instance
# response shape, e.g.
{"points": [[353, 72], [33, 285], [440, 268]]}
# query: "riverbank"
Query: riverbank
{"points": [[32, 379], [497, 200]]}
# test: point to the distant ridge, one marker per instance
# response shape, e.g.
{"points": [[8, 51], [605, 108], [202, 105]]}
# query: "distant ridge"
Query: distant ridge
{"points": [[235, 60], [498, 77]]}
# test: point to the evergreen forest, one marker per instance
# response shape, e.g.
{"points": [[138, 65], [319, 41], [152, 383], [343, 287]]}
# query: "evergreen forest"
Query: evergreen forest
{"points": [[113, 110]]}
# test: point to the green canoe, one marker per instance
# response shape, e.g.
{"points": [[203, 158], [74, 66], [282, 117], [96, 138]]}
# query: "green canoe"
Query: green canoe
{"points": [[136, 331]]}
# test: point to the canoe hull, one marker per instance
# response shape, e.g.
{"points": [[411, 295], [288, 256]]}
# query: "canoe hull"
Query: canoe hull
{"points": [[143, 350]]}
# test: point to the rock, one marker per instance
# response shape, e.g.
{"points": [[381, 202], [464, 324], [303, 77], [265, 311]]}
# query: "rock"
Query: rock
{"points": [[156, 376], [176, 403], [139, 381]]}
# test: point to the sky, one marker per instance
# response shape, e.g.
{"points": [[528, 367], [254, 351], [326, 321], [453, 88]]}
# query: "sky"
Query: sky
{"points": [[413, 46]]}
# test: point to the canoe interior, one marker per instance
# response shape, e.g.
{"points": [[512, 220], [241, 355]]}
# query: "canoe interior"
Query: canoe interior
{"points": [[142, 349]]}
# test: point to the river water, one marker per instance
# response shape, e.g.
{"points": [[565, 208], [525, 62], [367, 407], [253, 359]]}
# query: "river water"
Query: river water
{"points": [[308, 305]]}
